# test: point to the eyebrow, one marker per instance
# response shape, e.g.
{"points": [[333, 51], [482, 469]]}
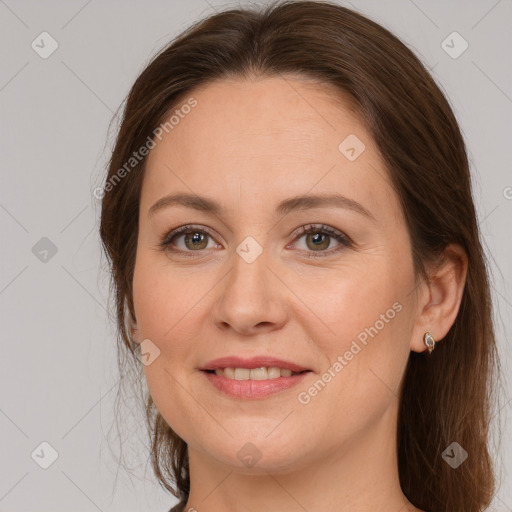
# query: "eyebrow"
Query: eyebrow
{"points": [[304, 202]]}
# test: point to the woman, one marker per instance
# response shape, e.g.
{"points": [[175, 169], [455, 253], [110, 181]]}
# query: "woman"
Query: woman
{"points": [[296, 258]]}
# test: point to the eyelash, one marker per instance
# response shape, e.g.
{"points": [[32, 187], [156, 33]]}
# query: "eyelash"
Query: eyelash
{"points": [[344, 240]]}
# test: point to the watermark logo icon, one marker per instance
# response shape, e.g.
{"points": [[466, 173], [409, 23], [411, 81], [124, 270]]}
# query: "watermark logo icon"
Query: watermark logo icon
{"points": [[44, 250], [44, 45], [249, 249], [454, 455], [148, 352], [351, 147], [44, 455], [249, 455], [454, 45]]}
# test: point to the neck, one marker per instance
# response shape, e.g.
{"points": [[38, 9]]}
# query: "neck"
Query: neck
{"points": [[360, 476]]}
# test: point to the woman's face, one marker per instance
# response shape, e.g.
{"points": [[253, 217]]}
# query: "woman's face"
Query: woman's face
{"points": [[245, 281]]}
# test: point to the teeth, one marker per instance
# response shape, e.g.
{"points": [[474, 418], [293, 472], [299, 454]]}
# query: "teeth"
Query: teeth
{"points": [[254, 373]]}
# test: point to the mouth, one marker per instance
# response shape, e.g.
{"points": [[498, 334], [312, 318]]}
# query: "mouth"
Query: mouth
{"points": [[253, 383], [261, 373], [253, 378]]}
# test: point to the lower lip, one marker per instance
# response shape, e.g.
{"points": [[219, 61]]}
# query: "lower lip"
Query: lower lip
{"points": [[253, 389]]}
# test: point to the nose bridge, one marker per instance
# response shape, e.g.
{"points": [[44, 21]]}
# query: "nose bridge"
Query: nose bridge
{"points": [[250, 266], [249, 298]]}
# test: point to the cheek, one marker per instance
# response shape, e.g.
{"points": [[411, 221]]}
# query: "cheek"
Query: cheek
{"points": [[171, 310], [362, 329], [164, 298], [164, 305], [345, 302]]}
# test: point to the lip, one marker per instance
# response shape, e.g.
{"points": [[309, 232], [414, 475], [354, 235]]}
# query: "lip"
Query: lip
{"points": [[253, 362], [253, 389]]}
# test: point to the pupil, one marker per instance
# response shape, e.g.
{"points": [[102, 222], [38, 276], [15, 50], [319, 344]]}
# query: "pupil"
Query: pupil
{"points": [[195, 239], [319, 240], [316, 238]]}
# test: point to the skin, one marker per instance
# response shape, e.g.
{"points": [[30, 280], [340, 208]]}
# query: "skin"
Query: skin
{"points": [[249, 145]]}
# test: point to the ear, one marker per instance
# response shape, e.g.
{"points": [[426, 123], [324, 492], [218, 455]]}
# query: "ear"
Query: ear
{"points": [[439, 299]]}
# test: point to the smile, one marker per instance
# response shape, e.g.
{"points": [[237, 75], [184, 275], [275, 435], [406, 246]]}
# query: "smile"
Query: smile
{"points": [[262, 373], [254, 383]]}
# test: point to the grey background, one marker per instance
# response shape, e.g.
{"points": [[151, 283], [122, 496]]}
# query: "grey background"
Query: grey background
{"points": [[58, 371]]}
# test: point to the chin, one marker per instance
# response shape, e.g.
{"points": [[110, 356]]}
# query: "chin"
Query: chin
{"points": [[260, 454]]}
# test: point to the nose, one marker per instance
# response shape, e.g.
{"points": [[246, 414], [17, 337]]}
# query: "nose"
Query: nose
{"points": [[251, 298]]}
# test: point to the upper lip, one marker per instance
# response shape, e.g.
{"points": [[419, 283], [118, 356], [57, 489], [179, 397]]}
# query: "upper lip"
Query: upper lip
{"points": [[252, 362]]}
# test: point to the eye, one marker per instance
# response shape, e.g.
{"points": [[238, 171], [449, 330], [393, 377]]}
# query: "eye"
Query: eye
{"points": [[194, 240], [318, 239]]}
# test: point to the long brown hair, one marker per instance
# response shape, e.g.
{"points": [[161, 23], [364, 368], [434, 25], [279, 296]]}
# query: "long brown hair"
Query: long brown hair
{"points": [[447, 397]]}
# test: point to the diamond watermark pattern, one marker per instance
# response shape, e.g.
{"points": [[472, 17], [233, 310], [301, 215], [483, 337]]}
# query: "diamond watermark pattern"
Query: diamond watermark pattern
{"points": [[249, 455], [249, 249], [148, 352], [44, 45], [44, 250], [454, 45], [44, 455], [455, 455], [351, 147]]}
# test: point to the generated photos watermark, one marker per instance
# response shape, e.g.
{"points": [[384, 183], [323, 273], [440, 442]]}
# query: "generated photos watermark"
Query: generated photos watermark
{"points": [[143, 151], [304, 397]]}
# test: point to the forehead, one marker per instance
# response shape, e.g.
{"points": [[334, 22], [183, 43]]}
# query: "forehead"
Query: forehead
{"points": [[255, 117], [264, 140]]}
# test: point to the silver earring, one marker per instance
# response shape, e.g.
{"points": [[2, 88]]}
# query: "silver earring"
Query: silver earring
{"points": [[430, 342]]}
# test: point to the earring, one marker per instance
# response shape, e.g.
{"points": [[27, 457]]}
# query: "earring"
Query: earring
{"points": [[430, 342]]}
